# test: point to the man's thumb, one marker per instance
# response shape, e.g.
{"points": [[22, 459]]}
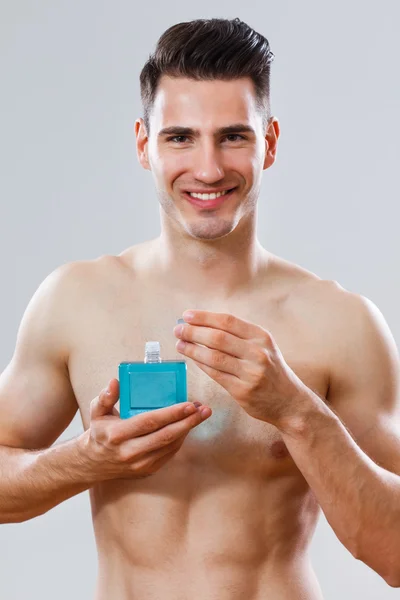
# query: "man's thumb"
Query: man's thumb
{"points": [[103, 404]]}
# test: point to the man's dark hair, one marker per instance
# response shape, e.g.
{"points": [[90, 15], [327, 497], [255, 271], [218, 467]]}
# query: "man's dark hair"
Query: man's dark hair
{"points": [[207, 49]]}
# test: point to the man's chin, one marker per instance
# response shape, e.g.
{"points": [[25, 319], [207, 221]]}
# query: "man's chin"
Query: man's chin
{"points": [[209, 231]]}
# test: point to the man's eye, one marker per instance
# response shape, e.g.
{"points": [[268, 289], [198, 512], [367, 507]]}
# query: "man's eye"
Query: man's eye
{"points": [[176, 137], [179, 138], [235, 135]]}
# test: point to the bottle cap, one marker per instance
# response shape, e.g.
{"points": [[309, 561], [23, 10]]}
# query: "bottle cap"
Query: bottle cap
{"points": [[152, 352]]}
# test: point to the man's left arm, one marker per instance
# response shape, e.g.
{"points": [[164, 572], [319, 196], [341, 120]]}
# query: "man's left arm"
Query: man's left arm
{"points": [[349, 449]]}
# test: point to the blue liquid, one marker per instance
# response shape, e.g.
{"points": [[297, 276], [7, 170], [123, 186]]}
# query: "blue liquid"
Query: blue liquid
{"points": [[149, 386]]}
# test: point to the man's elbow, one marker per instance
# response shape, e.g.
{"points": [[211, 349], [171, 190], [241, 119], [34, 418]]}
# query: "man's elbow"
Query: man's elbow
{"points": [[391, 575], [18, 517], [13, 519], [394, 580], [386, 566]]}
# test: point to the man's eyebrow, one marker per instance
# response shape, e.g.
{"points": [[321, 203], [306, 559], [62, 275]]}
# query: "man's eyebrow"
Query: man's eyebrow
{"points": [[178, 130]]}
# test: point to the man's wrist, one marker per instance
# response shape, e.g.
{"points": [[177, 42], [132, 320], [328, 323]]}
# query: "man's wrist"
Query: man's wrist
{"points": [[88, 466], [311, 412]]}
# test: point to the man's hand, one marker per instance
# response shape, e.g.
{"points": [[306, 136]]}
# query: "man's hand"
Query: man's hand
{"points": [[139, 446], [246, 361]]}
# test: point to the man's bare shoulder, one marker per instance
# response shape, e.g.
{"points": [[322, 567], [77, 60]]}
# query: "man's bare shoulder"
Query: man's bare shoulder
{"points": [[63, 295], [323, 305], [358, 344], [340, 307], [81, 275], [302, 285], [60, 288], [79, 281], [333, 306]]}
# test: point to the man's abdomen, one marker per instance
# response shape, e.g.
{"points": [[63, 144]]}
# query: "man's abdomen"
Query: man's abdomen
{"points": [[205, 534]]}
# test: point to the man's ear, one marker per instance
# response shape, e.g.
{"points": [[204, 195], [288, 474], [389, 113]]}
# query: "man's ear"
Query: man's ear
{"points": [[271, 142], [142, 143]]}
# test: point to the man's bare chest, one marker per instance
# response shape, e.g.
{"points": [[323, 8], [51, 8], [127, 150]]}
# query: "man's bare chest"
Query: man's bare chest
{"points": [[117, 328]]}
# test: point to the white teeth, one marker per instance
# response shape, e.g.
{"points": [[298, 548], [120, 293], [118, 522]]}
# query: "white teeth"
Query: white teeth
{"points": [[208, 196]]}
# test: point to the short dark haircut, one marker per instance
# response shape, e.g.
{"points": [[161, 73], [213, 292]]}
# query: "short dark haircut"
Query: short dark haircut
{"points": [[209, 49]]}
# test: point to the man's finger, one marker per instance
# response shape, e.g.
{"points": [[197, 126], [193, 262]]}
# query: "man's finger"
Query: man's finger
{"points": [[105, 401], [151, 421]]}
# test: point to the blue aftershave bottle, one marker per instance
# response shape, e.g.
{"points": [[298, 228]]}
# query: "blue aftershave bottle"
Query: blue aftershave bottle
{"points": [[151, 384]]}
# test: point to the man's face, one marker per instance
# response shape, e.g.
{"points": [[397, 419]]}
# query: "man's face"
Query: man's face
{"points": [[202, 158]]}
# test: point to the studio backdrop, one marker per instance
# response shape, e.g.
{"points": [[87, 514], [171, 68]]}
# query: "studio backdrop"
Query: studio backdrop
{"points": [[71, 188]]}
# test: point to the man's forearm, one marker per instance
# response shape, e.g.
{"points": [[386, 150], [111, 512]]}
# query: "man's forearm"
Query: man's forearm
{"points": [[360, 499], [33, 482]]}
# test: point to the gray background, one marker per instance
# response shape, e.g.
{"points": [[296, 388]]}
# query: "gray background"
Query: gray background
{"points": [[71, 188]]}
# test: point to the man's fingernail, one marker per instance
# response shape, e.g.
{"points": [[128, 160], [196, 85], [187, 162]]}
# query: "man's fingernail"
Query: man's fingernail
{"points": [[188, 315], [178, 329]]}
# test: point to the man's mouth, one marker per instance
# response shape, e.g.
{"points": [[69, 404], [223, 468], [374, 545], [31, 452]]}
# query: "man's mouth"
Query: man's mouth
{"points": [[208, 195], [209, 200]]}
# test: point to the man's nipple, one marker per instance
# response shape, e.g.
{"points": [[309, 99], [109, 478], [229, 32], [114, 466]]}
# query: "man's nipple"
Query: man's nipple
{"points": [[278, 449]]}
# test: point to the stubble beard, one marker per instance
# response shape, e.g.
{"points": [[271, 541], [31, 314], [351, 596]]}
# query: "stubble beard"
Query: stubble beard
{"points": [[205, 226]]}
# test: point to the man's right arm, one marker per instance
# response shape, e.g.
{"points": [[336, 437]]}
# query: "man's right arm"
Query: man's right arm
{"points": [[37, 403]]}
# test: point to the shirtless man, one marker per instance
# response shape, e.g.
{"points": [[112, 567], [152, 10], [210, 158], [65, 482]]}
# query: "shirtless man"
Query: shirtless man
{"points": [[297, 377]]}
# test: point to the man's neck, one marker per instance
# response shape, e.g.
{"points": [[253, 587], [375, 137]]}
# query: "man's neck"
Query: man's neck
{"points": [[217, 269]]}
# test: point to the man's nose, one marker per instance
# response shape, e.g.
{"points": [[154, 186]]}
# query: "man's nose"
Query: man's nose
{"points": [[208, 164]]}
